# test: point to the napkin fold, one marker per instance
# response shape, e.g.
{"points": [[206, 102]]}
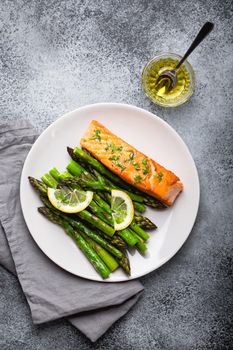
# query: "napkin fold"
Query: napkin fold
{"points": [[51, 292]]}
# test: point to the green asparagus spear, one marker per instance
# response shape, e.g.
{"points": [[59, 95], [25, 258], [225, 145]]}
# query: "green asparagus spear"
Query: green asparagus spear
{"points": [[144, 222], [124, 263], [140, 232], [55, 174], [115, 240], [100, 213], [102, 203], [95, 260], [106, 196], [153, 202], [140, 207], [108, 259], [98, 239], [72, 155], [49, 181], [140, 245], [92, 219], [59, 176], [38, 185], [85, 183], [111, 262], [64, 176], [127, 236], [97, 175], [74, 168]]}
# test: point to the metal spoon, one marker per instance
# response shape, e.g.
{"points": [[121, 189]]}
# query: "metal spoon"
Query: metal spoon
{"points": [[169, 76]]}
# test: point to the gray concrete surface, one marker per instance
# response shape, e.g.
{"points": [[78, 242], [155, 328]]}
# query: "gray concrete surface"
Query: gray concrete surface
{"points": [[59, 55]]}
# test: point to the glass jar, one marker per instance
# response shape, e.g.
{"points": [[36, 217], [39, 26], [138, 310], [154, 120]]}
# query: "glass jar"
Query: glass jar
{"points": [[184, 87]]}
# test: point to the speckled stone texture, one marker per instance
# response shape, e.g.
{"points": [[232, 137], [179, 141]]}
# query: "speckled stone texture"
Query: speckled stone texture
{"points": [[59, 55]]}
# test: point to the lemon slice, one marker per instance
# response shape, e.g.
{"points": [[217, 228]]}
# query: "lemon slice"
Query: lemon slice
{"points": [[69, 201], [122, 209]]}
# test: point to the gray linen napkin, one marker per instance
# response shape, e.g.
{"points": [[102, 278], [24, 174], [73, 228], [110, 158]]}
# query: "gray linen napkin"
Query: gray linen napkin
{"points": [[51, 292]]}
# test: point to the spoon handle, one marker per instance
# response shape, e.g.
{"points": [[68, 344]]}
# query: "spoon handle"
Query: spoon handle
{"points": [[205, 30]]}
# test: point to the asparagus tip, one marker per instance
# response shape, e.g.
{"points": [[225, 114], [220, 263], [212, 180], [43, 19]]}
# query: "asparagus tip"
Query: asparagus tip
{"points": [[42, 210], [70, 151]]}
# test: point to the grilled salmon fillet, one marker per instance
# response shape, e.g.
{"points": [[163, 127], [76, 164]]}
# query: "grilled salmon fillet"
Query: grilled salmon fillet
{"points": [[130, 164]]}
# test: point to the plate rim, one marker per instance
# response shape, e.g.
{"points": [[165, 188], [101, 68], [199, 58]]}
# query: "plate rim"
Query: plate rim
{"points": [[149, 115]]}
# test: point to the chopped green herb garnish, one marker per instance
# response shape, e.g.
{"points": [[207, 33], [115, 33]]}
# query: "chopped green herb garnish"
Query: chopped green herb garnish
{"points": [[137, 178], [113, 147], [146, 169], [146, 172], [136, 166], [114, 157], [96, 136], [144, 162], [131, 156], [120, 166], [159, 176]]}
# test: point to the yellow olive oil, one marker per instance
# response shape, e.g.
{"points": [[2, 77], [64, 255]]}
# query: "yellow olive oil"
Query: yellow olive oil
{"points": [[159, 90]]}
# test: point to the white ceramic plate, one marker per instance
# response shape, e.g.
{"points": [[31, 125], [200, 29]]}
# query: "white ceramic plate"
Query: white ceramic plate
{"points": [[146, 132]]}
